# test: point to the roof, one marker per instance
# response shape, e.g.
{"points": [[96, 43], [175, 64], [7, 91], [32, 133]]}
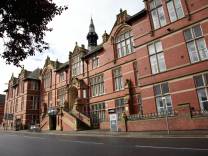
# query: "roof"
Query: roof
{"points": [[34, 75], [2, 99], [94, 51], [62, 66], [138, 15]]}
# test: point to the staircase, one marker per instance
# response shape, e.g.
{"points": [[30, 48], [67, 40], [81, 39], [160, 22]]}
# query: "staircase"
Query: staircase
{"points": [[44, 125], [83, 118], [69, 121]]}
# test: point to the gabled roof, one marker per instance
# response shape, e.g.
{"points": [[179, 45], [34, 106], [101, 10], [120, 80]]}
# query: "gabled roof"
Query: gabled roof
{"points": [[94, 51], [138, 15], [34, 75], [62, 66]]}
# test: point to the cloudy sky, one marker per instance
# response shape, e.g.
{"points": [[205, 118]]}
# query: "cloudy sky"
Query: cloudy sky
{"points": [[72, 26]]}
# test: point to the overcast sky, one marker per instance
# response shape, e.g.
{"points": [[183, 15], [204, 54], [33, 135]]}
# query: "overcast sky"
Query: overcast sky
{"points": [[72, 26]]}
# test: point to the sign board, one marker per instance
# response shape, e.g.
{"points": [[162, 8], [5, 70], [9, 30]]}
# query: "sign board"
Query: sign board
{"points": [[111, 111], [114, 122]]}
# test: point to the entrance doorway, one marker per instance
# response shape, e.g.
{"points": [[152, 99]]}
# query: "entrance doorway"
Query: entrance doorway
{"points": [[52, 122]]}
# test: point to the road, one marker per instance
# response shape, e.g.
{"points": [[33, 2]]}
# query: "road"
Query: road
{"points": [[54, 145]]}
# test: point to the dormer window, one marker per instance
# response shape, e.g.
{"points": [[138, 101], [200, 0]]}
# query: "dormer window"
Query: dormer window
{"points": [[124, 44], [157, 13]]}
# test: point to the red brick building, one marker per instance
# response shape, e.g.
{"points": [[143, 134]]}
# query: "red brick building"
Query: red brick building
{"points": [[152, 67], [2, 103], [152, 64], [22, 100]]}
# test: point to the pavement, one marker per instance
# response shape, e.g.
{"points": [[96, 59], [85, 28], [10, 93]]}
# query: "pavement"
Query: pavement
{"points": [[107, 133]]}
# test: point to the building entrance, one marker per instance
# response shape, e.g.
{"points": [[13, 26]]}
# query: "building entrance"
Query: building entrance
{"points": [[52, 122]]}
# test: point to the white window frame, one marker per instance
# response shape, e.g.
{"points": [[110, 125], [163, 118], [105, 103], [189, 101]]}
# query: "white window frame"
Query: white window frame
{"points": [[118, 79], [157, 13], [157, 58], [97, 85], [174, 10], [124, 44], [194, 50], [95, 62], [204, 88], [163, 100]]}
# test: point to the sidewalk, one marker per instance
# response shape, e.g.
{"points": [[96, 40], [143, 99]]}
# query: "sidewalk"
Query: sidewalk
{"points": [[102, 133]]}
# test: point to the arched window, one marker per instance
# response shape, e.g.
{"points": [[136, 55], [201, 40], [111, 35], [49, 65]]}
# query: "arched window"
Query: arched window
{"points": [[124, 43]]}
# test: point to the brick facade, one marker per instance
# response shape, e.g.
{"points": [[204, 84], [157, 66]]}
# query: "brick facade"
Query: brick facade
{"points": [[146, 66], [2, 103]]}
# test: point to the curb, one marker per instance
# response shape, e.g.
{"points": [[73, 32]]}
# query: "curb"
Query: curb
{"points": [[118, 135]]}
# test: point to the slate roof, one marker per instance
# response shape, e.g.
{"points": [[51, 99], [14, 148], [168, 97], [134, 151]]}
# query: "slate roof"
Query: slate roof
{"points": [[62, 66], [95, 50]]}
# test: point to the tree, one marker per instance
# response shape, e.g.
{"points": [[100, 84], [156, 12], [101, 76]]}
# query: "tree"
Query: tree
{"points": [[23, 25]]}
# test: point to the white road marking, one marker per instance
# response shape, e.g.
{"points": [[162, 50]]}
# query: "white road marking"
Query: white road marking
{"points": [[33, 137], [83, 142], [173, 148]]}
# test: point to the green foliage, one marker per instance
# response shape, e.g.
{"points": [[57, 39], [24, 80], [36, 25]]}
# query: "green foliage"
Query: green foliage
{"points": [[23, 25]]}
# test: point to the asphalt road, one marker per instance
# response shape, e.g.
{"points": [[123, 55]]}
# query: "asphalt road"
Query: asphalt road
{"points": [[53, 145]]}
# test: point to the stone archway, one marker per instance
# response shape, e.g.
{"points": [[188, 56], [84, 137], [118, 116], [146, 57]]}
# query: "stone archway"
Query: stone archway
{"points": [[73, 95]]}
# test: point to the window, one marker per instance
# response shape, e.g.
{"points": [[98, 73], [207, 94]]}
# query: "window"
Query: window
{"points": [[97, 85], [201, 83], [77, 65], [61, 76], [95, 62], [49, 98], [163, 99], [35, 101], [175, 10], [34, 85], [124, 44], [34, 119], [22, 103], [140, 107], [157, 13], [84, 93], [61, 96], [196, 44], [47, 80], [118, 81], [157, 59], [120, 107], [97, 112]]}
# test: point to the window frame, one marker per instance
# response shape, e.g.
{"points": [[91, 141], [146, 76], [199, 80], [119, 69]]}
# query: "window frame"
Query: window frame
{"points": [[194, 40], [203, 87], [121, 39], [97, 85], [156, 54], [157, 19], [175, 11], [118, 83], [164, 96]]}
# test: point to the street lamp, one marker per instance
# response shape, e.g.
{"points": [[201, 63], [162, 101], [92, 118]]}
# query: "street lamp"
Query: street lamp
{"points": [[166, 114]]}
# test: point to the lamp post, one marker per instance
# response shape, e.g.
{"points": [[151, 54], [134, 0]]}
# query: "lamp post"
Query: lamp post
{"points": [[61, 123], [166, 114]]}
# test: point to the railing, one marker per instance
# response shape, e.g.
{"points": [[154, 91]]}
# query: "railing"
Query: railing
{"points": [[81, 117], [151, 115], [199, 113]]}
